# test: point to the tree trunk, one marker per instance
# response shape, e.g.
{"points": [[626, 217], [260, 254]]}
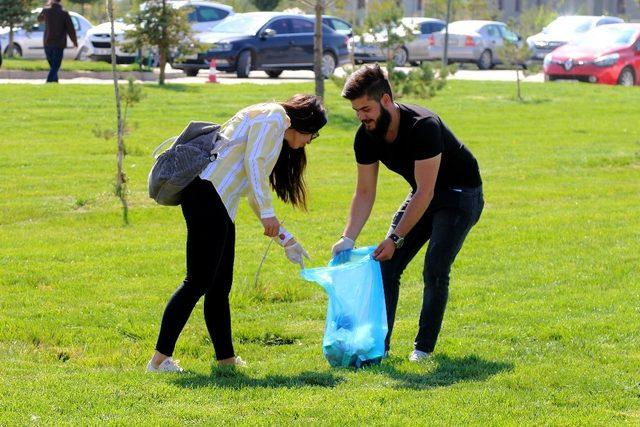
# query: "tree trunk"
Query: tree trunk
{"points": [[162, 65], [10, 47], [445, 52], [317, 49], [120, 176], [163, 48], [518, 83]]}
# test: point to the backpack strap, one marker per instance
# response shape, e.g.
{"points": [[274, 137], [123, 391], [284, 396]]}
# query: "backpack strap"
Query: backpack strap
{"points": [[159, 148]]}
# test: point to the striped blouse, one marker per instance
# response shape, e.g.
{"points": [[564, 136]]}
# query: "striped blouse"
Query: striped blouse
{"points": [[257, 134]]}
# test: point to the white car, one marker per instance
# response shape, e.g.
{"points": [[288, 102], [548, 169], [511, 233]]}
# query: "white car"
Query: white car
{"points": [[563, 30], [29, 43], [96, 45]]}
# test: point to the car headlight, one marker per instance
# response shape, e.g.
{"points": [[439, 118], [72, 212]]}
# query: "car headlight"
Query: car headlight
{"points": [[607, 60], [547, 60], [221, 47]]}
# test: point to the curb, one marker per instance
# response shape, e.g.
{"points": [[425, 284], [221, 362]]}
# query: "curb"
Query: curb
{"points": [[144, 76]]}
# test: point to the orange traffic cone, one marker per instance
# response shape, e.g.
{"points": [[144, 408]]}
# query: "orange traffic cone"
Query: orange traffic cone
{"points": [[213, 72]]}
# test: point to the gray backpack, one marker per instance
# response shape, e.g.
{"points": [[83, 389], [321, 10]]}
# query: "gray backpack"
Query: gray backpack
{"points": [[190, 152]]}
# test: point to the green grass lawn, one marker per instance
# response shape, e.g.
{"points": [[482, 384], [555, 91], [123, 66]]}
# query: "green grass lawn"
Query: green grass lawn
{"points": [[543, 317], [67, 65]]}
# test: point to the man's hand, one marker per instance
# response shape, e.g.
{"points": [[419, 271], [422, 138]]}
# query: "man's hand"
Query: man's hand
{"points": [[271, 226], [385, 250], [296, 254], [343, 244]]}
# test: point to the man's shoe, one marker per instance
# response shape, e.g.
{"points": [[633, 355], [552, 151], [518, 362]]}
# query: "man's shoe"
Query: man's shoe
{"points": [[167, 365], [419, 356], [237, 361]]}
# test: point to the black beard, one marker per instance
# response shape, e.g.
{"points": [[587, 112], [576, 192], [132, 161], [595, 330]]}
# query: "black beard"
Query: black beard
{"points": [[382, 124]]}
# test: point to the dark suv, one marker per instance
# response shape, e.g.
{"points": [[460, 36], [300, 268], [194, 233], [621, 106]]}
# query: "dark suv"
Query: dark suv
{"points": [[267, 41]]}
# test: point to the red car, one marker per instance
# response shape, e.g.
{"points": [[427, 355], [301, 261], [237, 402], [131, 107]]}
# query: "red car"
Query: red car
{"points": [[609, 54]]}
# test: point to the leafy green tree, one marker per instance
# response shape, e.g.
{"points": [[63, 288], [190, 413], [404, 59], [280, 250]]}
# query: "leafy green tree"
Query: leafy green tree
{"points": [[515, 53], [266, 5], [475, 9], [83, 4], [160, 26], [14, 13], [385, 17]]}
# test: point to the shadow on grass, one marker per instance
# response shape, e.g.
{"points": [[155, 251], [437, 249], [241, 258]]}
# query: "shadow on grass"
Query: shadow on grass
{"points": [[448, 371], [175, 87], [237, 379]]}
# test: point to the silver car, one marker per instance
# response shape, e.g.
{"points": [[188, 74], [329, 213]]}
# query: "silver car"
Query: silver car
{"points": [[474, 41], [563, 30], [96, 45], [30, 44], [369, 47]]}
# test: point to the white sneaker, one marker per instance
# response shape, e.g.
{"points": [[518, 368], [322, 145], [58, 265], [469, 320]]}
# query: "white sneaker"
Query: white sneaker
{"points": [[419, 356], [236, 362], [167, 365]]}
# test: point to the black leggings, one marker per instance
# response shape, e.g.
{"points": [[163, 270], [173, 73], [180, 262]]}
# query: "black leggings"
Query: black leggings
{"points": [[210, 253]]}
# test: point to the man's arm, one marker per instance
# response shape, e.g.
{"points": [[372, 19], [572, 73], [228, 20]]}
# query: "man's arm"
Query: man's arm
{"points": [[363, 199], [426, 173], [71, 30]]}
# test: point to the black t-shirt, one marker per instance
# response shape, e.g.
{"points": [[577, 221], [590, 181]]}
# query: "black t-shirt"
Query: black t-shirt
{"points": [[421, 135]]}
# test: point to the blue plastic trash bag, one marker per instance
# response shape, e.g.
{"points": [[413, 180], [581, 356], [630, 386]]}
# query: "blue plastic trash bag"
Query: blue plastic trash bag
{"points": [[356, 317]]}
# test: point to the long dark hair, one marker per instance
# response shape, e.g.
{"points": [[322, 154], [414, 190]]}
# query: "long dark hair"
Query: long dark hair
{"points": [[287, 178]]}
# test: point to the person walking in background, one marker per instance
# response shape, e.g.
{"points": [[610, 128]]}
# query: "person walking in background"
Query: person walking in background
{"points": [[445, 200], [267, 150], [58, 25]]}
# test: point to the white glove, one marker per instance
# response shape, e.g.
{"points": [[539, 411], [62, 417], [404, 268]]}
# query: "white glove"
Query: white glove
{"points": [[344, 244], [296, 254]]}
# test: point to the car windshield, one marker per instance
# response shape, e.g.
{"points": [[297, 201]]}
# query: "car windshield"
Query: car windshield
{"points": [[607, 36], [245, 24], [569, 24]]}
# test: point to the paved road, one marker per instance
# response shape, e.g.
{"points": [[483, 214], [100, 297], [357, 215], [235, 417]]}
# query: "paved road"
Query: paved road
{"points": [[259, 77]]}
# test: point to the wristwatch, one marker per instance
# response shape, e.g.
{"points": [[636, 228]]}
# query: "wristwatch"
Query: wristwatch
{"points": [[397, 240]]}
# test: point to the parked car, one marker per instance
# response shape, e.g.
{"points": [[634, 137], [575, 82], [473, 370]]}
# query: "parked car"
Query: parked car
{"points": [[474, 41], [338, 25], [268, 41], [28, 43], [370, 48], [96, 45], [608, 54], [564, 29]]}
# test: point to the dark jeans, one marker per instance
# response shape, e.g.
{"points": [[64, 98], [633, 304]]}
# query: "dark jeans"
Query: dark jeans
{"points": [[445, 224], [54, 57], [210, 255]]}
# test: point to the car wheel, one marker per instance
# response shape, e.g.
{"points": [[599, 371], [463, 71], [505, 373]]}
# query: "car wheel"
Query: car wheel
{"points": [[486, 60], [244, 64], [400, 56], [273, 74], [191, 72], [17, 51], [83, 54], [627, 77], [328, 64]]}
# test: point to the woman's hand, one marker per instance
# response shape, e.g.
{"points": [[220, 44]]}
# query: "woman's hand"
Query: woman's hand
{"points": [[296, 253], [271, 226]]}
